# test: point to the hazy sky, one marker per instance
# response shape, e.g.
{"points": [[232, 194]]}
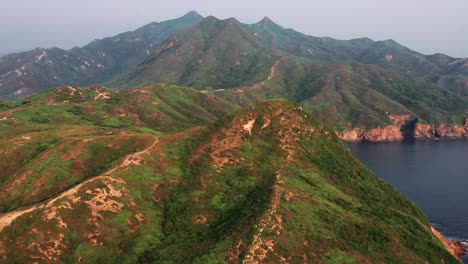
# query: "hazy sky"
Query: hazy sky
{"points": [[427, 26]]}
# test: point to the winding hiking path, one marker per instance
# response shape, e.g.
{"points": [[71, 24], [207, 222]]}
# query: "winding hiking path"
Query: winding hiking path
{"points": [[255, 86], [259, 85], [131, 159]]}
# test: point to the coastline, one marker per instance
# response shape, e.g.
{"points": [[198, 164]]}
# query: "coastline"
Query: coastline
{"points": [[405, 128], [457, 248]]}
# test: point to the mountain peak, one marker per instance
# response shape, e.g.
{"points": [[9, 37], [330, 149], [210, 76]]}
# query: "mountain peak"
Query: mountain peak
{"points": [[270, 166], [193, 13], [390, 41], [232, 20], [265, 20], [211, 20]]}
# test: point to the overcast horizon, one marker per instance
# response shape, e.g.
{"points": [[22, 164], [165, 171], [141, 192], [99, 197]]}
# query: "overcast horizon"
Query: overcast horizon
{"points": [[425, 26]]}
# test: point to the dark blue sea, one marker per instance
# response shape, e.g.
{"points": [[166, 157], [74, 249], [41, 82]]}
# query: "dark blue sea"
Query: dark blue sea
{"points": [[433, 174]]}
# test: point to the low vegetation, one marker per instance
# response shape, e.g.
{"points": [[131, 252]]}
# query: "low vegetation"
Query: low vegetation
{"points": [[268, 184]]}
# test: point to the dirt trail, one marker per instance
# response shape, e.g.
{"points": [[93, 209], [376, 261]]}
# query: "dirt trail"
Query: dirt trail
{"points": [[259, 85], [132, 159], [260, 247], [9, 115], [255, 86], [272, 71]]}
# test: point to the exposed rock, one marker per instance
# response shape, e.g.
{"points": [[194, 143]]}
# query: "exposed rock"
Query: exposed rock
{"points": [[445, 131], [455, 247], [401, 120], [424, 131], [405, 127], [248, 127], [351, 135], [387, 134]]}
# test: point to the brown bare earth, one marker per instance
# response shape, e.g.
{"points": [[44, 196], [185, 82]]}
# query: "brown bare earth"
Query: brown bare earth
{"points": [[267, 185], [400, 129], [132, 159], [455, 247]]}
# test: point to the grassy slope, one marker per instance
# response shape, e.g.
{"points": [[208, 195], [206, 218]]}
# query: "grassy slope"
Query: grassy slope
{"points": [[214, 53], [288, 189], [58, 138], [435, 67], [219, 55], [355, 95], [158, 107]]}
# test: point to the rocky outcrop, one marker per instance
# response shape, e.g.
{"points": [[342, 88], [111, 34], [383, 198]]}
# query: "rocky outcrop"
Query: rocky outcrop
{"points": [[445, 131], [351, 135], [424, 131], [455, 247], [387, 134], [405, 127]]}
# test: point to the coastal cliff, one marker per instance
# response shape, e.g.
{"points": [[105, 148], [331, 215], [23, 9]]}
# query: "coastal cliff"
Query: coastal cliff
{"points": [[405, 127], [455, 247]]}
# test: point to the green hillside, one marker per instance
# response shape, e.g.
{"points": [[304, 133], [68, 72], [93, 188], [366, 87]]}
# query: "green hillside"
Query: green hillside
{"points": [[354, 95], [214, 53], [350, 85], [268, 184], [57, 138], [436, 69]]}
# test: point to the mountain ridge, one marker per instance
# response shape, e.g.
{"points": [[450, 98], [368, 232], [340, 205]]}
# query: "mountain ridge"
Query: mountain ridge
{"points": [[22, 74], [359, 100], [266, 184], [386, 53], [265, 60], [169, 174], [216, 53]]}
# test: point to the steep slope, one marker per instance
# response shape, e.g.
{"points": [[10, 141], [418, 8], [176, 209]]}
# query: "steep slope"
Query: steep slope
{"points": [[344, 83], [266, 185], [214, 53], [24, 73], [388, 54], [296, 43], [367, 102]]}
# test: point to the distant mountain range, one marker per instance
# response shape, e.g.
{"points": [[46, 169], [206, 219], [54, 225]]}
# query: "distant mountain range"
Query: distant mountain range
{"points": [[25, 73], [355, 86], [163, 173]]}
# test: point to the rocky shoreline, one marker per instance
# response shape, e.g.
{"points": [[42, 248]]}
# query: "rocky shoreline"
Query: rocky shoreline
{"points": [[457, 248], [405, 127]]}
